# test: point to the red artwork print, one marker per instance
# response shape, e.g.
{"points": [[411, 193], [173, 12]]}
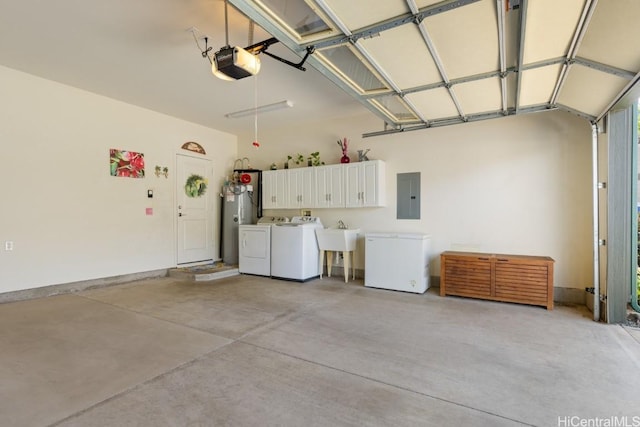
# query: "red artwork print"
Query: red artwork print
{"points": [[126, 163]]}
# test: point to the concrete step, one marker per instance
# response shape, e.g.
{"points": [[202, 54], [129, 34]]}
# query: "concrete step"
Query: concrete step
{"points": [[206, 272]]}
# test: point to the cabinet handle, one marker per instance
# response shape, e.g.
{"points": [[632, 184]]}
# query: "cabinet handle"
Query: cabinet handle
{"points": [[483, 259], [503, 260]]}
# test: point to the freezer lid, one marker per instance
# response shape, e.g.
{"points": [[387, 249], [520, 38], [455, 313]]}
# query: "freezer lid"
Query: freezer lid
{"points": [[396, 235]]}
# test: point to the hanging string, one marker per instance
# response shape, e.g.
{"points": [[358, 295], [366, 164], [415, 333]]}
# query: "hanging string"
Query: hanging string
{"points": [[256, 144], [226, 24]]}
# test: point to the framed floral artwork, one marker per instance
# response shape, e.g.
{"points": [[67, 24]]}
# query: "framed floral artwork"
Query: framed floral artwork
{"points": [[126, 163]]}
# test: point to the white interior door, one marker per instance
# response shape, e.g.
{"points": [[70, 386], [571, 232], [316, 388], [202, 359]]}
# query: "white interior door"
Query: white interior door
{"points": [[194, 198]]}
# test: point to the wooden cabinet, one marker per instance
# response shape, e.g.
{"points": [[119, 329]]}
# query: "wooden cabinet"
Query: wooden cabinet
{"points": [[275, 189], [364, 184], [329, 187], [510, 278]]}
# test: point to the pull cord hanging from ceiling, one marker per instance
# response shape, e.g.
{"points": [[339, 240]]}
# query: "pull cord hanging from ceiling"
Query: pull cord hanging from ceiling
{"points": [[255, 144]]}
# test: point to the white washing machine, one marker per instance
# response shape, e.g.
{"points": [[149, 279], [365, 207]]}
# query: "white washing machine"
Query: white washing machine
{"points": [[254, 246], [294, 249]]}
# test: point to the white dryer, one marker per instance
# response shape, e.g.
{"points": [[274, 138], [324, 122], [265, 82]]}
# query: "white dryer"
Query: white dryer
{"points": [[254, 246], [294, 249]]}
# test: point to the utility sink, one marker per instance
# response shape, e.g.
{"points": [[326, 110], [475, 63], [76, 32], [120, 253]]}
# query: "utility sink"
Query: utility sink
{"points": [[332, 240], [337, 239]]}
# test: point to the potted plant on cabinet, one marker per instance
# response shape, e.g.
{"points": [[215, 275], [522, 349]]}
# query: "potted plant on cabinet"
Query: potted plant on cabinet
{"points": [[314, 159]]}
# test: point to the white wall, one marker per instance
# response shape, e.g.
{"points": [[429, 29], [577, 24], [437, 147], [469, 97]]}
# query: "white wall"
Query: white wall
{"points": [[520, 184], [512, 185], [68, 218]]}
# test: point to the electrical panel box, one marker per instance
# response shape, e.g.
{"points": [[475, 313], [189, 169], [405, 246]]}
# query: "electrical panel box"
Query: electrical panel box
{"points": [[408, 205]]}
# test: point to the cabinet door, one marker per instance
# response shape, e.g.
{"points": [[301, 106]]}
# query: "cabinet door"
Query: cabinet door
{"points": [[467, 276], [352, 177], [371, 183], [302, 187], [274, 189], [329, 181], [521, 281], [364, 184]]}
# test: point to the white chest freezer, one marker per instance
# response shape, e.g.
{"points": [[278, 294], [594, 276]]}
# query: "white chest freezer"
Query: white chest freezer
{"points": [[397, 261]]}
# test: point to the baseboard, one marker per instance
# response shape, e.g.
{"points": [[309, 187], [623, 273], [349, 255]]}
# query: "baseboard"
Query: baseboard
{"points": [[67, 288], [569, 296], [564, 296]]}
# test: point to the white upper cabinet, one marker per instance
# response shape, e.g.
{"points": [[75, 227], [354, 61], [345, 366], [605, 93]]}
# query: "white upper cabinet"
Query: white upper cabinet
{"points": [[275, 187], [351, 185], [302, 187], [365, 184], [330, 190]]}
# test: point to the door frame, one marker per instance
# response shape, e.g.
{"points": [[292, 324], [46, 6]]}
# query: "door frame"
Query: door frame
{"points": [[211, 207]]}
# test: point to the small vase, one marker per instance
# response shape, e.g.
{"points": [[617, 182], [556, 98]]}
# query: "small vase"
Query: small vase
{"points": [[345, 159]]}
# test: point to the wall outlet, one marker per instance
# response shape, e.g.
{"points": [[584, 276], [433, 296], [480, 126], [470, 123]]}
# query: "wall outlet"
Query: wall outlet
{"points": [[8, 245]]}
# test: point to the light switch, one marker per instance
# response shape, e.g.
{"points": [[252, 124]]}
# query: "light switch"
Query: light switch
{"points": [[150, 194]]}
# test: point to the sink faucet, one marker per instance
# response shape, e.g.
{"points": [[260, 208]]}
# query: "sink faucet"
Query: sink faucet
{"points": [[341, 225]]}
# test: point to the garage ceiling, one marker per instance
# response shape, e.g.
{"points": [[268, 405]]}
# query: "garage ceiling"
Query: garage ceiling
{"points": [[423, 63], [412, 63]]}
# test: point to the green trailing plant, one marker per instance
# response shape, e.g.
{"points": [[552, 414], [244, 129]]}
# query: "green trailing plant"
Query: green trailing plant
{"points": [[299, 159], [315, 159]]}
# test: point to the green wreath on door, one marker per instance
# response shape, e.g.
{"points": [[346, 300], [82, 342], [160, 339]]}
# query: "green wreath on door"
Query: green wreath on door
{"points": [[195, 186]]}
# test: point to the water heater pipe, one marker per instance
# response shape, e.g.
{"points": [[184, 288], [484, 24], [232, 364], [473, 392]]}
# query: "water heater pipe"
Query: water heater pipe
{"points": [[596, 220]]}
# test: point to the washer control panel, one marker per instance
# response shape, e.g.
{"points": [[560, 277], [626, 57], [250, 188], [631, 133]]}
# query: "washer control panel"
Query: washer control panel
{"points": [[273, 219], [306, 220]]}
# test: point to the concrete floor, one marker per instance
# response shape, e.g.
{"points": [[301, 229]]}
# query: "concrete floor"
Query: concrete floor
{"points": [[248, 351]]}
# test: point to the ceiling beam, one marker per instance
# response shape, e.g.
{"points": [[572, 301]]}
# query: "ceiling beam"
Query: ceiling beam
{"points": [[436, 58], [625, 90], [604, 68], [476, 77], [578, 35], [414, 17], [578, 113], [500, 9], [482, 76], [457, 120], [521, 33], [367, 57], [545, 63], [249, 8]]}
